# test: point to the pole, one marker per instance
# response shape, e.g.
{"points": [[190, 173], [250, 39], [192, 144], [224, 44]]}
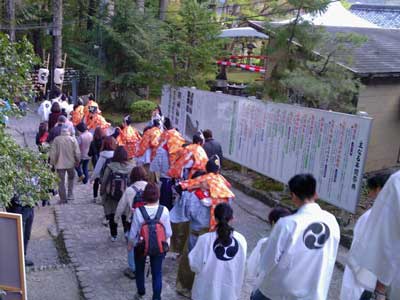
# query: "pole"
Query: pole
{"points": [[11, 18], [57, 37]]}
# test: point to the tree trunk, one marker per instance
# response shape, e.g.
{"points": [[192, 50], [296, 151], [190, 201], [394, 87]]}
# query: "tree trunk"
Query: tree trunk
{"points": [[92, 6], [140, 5], [10, 4], [163, 9], [57, 36]]}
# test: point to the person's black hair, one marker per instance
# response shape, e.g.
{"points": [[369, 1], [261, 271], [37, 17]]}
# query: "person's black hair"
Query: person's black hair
{"points": [[167, 123], [277, 213], [303, 186], [128, 119], [91, 97], [116, 133], [151, 193], [207, 134], [198, 174], [198, 138], [138, 174], [120, 155], [223, 214], [81, 127], [156, 123], [55, 107], [377, 181], [43, 128]]}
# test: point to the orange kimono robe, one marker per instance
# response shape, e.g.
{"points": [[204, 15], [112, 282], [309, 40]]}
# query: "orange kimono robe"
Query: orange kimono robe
{"points": [[129, 138], [86, 110], [96, 120], [150, 139], [218, 187], [174, 142], [193, 151], [77, 115]]}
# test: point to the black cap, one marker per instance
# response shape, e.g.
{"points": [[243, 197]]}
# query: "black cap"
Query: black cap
{"points": [[198, 137], [81, 127], [213, 165]]}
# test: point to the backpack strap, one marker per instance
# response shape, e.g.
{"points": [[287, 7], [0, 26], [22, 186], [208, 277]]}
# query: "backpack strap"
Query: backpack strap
{"points": [[159, 213], [135, 188], [144, 213]]}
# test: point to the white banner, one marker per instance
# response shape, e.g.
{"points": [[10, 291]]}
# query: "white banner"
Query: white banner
{"points": [[279, 140]]}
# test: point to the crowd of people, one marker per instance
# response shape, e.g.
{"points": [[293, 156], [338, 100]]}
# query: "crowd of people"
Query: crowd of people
{"points": [[169, 195]]}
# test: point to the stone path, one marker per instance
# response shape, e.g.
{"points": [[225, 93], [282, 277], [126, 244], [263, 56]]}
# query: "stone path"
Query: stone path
{"points": [[95, 260]]}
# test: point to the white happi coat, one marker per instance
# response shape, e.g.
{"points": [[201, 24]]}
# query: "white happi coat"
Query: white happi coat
{"points": [[217, 278], [376, 251], [300, 255], [351, 288], [254, 268], [44, 110]]}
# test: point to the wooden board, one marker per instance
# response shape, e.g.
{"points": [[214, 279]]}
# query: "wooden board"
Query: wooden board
{"points": [[12, 263]]}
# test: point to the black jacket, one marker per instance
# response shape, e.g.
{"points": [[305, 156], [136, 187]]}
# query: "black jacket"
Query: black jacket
{"points": [[212, 147]]}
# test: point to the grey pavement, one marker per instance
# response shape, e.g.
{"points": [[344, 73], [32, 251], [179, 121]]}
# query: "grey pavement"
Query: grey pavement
{"points": [[53, 285], [98, 263]]}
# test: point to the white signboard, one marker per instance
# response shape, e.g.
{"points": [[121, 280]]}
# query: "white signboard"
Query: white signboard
{"points": [[279, 140]]}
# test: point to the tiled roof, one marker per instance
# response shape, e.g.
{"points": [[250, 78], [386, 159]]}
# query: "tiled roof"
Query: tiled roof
{"points": [[378, 56], [385, 16]]}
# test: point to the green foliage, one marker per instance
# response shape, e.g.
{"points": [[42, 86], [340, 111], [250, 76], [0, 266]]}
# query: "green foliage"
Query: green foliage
{"points": [[266, 184], [126, 51], [141, 110], [192, 44], [307, 69], [16, 60], [19, 167]]}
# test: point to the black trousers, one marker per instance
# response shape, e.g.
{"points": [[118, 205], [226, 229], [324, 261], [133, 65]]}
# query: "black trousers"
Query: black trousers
{"points": [[27, 221], [114, 226], [96, 185]]}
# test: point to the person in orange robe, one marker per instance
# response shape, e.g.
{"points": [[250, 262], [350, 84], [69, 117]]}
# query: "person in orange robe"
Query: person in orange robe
{"points": [[215, 183], [91, 103], [129, 137], [95, 119], [78, 113], [149, 142], [189, 159], [172, 140]]}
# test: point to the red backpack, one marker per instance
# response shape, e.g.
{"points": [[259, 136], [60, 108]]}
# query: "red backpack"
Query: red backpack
{"points": [[152, 237]]}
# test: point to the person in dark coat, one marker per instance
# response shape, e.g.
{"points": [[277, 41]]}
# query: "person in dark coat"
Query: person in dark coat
{"points": [[211, 146], [55, 113]]}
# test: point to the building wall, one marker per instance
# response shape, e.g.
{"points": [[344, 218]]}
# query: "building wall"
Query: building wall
{"points": [[382, 102]]}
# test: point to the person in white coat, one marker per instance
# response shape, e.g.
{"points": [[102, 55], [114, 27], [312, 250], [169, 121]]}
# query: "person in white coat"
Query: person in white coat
{"points": [[375, 255], [254, 269], [300, 255], [351, 289], [218, 259], [44, 110]]}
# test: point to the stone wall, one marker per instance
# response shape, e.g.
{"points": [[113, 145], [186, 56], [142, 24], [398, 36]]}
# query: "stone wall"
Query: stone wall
{"points": [[381, 100]]}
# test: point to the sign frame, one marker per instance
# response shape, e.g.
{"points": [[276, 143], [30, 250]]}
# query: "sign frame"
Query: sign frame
{"points": [[21, 257]]}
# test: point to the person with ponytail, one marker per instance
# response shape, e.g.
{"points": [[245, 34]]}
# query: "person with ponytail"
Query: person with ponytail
{"points": [[218, 259]]}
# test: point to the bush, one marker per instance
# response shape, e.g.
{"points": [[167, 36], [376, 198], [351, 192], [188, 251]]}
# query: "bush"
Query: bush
{"points": [[141, 110]]}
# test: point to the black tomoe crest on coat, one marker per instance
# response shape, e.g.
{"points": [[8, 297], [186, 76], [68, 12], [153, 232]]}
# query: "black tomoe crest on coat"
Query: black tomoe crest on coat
{"points": [[316, 235], [226, 253]]}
